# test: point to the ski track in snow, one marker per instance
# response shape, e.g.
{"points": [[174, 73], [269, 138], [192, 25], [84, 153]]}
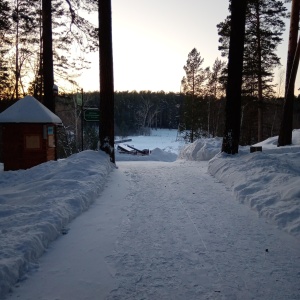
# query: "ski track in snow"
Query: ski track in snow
{"points": [[167, 238]]}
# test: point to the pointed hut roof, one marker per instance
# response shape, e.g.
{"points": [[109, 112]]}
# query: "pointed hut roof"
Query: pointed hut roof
{"points": [[28, 110]]}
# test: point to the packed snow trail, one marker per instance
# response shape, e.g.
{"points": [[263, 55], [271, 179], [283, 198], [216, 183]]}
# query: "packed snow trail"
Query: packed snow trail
{"points": [[167, 231]]}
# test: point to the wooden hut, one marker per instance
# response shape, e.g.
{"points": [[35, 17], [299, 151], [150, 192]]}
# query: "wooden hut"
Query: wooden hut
{"points": [[28, 134]]}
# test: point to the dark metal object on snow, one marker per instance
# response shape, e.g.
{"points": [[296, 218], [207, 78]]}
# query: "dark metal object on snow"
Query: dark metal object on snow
{"points": [[123, 141], [122, 148]]}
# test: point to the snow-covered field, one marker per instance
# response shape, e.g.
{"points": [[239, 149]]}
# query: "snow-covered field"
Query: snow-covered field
{"points": [[163, 144], [37, 205]]}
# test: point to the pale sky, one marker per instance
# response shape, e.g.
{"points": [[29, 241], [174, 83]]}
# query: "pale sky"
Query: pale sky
{"points": [[152, 39]]}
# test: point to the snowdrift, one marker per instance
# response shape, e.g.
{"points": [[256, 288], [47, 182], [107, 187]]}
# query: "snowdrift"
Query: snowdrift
{"points": [[267, 181], [202, 149], [38, 203]]}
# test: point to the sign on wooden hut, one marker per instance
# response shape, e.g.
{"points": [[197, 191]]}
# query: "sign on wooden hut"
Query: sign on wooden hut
{"points": [[28, 134]]}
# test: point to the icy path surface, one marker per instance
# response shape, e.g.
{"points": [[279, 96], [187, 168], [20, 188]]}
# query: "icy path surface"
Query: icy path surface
{"points": [[167, 231]]}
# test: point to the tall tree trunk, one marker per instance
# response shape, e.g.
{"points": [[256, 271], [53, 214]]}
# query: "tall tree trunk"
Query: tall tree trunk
{"points": [[15, 93], [17, 53], [106, 130], [40, 72], [259, 78], [192, 127], [208, 115], [234, 84], [286, 127], [193, 111], [48, 76]]}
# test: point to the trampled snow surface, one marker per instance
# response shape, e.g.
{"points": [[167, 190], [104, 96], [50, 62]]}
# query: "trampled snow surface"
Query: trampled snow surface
{"points": [[154, 230]]}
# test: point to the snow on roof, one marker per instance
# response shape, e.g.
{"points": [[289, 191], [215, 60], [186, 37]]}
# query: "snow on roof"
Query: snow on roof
{"points": [[28, 110]]}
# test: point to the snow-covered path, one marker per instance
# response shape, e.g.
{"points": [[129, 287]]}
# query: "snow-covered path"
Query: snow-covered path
{"points": [[167, 231]]}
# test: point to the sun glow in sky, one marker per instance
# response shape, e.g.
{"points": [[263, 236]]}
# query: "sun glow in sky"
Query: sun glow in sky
{"points": [[152, 39]]}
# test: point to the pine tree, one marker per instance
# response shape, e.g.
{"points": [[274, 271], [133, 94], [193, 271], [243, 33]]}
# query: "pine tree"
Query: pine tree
{"points": [[193, 87], [235, 66], [286, 128], [79, 31], [24, 28], [72, 30], [5, 44], [69, 30], [48, 72], [215, 91], [263, 33]]}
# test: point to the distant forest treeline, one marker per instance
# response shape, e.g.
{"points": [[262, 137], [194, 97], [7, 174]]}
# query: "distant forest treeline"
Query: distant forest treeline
{"points": [[137, 113]]}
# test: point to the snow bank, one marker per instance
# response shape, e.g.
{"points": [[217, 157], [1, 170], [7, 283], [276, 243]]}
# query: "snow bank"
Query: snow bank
{"points": [[37, 204], [202, 149], [267, 181]]}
